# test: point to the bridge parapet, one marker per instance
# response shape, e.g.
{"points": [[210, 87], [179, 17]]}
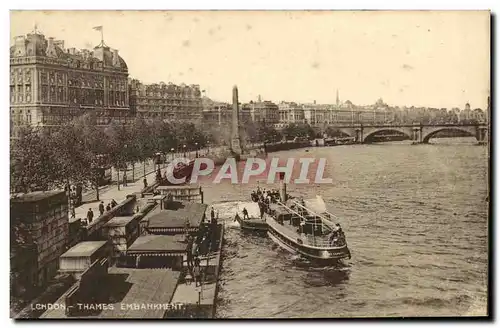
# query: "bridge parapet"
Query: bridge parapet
{"points": [[417, 132]]}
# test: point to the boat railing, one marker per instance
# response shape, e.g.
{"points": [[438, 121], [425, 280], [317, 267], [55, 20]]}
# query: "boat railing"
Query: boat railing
{"points": [[321, 216], [311, 240], [318, 241]]}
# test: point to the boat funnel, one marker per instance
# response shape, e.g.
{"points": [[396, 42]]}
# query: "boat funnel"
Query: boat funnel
{"points": [[282, 187]]}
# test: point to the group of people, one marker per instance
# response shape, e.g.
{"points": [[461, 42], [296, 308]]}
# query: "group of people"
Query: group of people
{"points": [[102, 209], [270, 196], [193, 262], [206, 239], [337, 237], [264, 198]]}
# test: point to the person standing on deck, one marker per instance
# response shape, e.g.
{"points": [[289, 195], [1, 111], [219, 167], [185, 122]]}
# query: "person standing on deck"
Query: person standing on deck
{"points": [[212, 214], [90, 216], [108, 207], [245, 214]]}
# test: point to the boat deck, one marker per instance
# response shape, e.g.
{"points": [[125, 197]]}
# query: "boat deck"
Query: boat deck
{"points": [[292, 232]]}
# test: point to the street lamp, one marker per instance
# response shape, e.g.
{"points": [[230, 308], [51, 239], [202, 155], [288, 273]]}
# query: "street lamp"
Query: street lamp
{"points": [[125, 168], [158, 169], [184, 147], [208, 146], [196, 145], [172, 150]]}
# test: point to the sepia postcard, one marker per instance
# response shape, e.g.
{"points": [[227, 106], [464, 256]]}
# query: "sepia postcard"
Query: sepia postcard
{"points": [[249, 164]]}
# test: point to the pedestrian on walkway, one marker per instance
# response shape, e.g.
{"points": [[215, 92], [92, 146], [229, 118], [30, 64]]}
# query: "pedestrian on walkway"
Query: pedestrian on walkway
{"points": [[90, 216], [212, 214], [73, 214], [124, 179], [113, 203], [145, 181], [101, 208], [108, 207]]}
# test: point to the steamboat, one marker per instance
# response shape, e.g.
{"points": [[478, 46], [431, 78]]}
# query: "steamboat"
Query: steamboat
{"points": [[300, 226]]}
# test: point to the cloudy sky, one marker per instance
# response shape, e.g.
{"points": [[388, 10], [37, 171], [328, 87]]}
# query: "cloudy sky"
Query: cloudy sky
{"points": [[438, 59]]}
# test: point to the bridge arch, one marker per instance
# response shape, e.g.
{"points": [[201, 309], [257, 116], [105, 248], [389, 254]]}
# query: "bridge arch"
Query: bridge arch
{"points": [[367, 135], [427, 135]]}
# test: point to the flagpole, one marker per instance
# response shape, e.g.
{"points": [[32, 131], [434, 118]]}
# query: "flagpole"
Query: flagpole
{"points": [[102, 36]]}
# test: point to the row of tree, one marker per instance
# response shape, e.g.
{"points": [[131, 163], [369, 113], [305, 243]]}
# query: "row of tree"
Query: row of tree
{"points": [[73, 152]]}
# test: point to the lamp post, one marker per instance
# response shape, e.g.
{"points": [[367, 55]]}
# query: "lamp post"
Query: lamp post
{"points": [[196, 153], [208, 146], [184, 147], [125, 167], [172, 150]]}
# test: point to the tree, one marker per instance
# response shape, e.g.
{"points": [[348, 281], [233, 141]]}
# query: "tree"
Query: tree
{"points": [[143, 141], [267, 133], [118, 137], [300, 130], [32, 162]]}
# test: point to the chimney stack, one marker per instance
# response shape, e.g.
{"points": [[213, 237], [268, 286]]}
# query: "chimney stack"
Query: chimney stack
{"points": [[116, 60]]}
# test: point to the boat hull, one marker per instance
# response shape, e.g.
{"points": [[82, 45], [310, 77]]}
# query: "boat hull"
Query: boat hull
{"points": [[318, 254], [252, 224]]}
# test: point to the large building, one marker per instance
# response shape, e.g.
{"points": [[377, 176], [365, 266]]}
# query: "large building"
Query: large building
{"points": [[290, 113], [166, 101], [262, 111], [221, 114], [50, 84]]}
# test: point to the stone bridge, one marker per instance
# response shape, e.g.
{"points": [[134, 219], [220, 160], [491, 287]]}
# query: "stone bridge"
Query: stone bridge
{"points": [[418, 133]]}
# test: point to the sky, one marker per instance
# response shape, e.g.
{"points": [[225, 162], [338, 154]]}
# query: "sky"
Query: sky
{"points": [[413, 58]]}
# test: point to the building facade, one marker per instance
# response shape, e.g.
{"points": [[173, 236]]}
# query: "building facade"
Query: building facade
{"points": [[40, 220], [262, 111], [290, 113], [50, 85], [166, 101], [221, 114]]}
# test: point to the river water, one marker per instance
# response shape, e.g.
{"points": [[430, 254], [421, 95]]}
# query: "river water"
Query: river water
{"points": [[415, 218]]}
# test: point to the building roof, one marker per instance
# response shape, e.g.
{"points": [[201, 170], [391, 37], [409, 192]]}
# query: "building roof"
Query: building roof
{"points": [[85, 248], [126, 287], [177, 214], [37, 42], [158, 243], [119, 221], [34, 196]]}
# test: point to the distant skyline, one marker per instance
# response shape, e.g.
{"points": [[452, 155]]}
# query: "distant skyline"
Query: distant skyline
{"points": [[417, 58]]}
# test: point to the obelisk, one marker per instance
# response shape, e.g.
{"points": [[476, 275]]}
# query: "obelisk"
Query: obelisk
{"points": [[235, 128]]}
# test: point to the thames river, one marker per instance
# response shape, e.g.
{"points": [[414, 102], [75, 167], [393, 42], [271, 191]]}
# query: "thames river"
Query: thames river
{"points": [[416, 221]]}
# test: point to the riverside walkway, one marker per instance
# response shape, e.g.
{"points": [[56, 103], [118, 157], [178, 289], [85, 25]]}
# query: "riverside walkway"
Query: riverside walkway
{"points": [[111, 192]]}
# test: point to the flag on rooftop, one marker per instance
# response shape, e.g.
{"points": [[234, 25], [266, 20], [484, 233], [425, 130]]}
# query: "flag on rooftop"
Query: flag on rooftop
{"points": [[98, 28]]}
